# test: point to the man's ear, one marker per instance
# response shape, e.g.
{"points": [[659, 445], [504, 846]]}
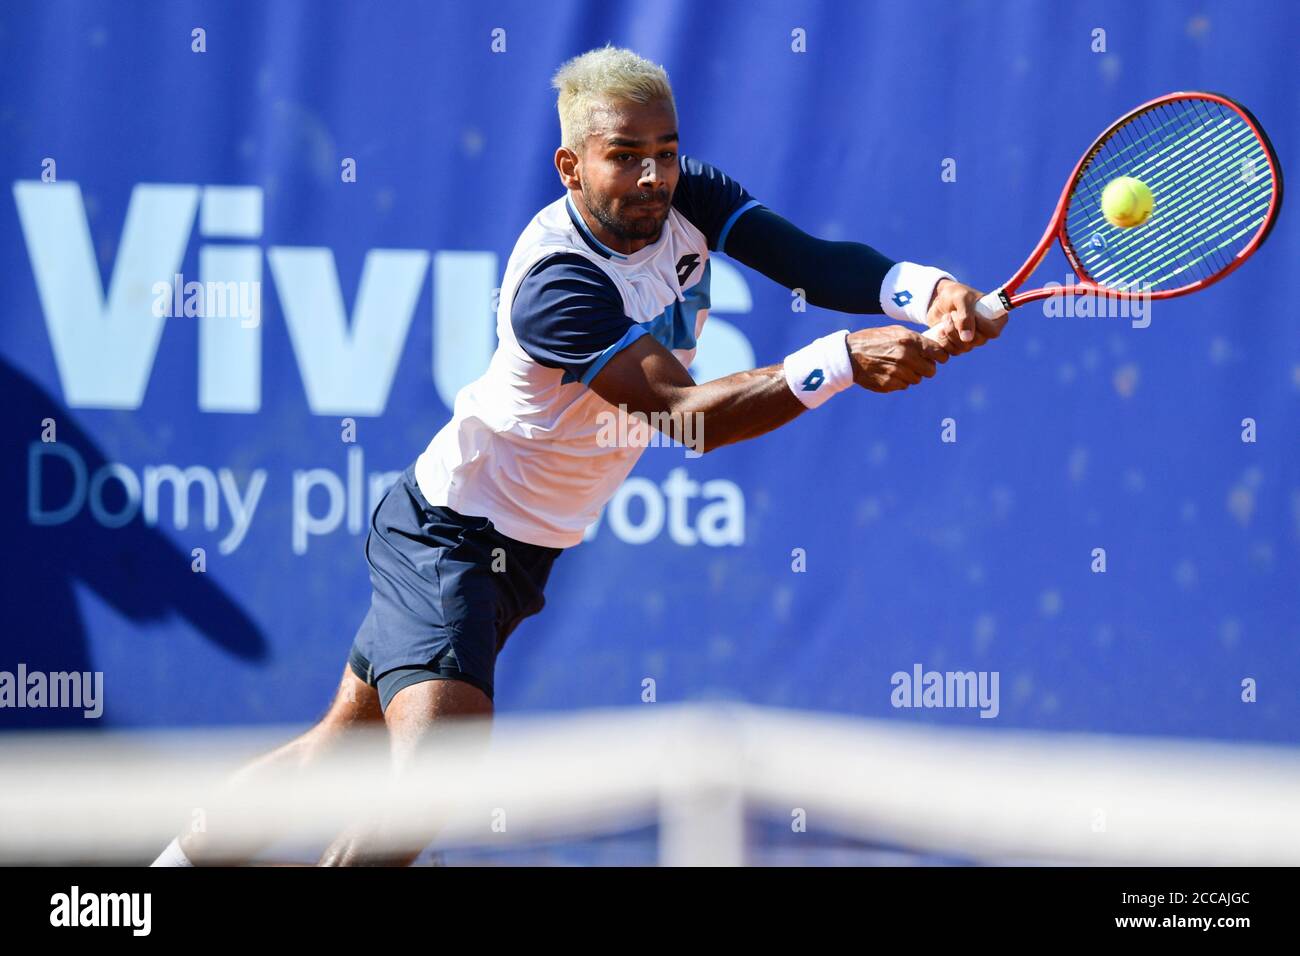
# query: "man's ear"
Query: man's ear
{"points": [[566, 164]]}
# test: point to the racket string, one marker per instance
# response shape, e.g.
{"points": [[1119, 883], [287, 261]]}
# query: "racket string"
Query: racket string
{"points": [[1212, 182], [1185, 159], [1189, 208]]}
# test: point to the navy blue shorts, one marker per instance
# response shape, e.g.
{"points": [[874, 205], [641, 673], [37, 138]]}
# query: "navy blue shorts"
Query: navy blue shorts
{"points": [[447, 591]]}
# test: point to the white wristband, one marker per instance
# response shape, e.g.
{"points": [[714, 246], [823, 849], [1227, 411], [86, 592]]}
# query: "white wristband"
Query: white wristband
{"points": [[905, 294], [820, 369]]}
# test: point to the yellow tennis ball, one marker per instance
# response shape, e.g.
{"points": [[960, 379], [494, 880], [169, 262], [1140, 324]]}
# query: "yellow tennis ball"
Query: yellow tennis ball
{"points": [[1126, 202]]}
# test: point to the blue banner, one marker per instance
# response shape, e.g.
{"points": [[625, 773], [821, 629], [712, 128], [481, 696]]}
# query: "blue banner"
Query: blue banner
{"points": [[250, 253]]}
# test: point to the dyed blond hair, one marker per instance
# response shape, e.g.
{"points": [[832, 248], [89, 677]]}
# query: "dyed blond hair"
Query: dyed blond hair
{"points": [[602, 76]]}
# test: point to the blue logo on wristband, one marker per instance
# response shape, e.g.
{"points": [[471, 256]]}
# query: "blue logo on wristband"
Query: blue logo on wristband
{"points": [[902, 298], [814, 380]]}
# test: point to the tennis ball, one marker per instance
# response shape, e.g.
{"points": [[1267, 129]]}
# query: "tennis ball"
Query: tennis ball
{"points": [[1126, 202]]}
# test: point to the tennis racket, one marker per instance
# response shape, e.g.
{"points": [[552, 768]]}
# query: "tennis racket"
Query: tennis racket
{"points": [[1217, 188]]}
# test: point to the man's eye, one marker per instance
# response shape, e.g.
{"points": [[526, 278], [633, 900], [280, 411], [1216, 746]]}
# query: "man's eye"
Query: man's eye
{"points": [[624, 157], [668, 154]]}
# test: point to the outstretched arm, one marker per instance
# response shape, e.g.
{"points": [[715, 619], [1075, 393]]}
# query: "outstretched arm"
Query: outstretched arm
{"points": [[646, 378], [855, 278]]}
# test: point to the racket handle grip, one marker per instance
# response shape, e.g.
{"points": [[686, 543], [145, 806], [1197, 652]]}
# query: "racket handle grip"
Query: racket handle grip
{"points": [[988, 307]]}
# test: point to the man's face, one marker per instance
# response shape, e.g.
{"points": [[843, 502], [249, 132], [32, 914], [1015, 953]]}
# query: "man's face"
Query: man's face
{"points": [[629, 167]]}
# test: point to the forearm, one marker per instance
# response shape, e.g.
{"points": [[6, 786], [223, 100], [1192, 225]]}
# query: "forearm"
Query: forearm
{"points": [[844, 276], [737, 407], [646, 380]]}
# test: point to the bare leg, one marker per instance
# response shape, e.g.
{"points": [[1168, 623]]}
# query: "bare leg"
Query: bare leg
{"points": [[415, 716], [355, 705]]}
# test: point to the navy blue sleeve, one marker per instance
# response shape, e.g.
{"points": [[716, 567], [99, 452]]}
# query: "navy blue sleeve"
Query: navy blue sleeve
{"points": [[568, 314], [710, 199], [844, 276]]}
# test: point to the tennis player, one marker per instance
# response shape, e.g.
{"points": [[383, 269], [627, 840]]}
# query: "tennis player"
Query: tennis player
{"points": [[601, 309]]}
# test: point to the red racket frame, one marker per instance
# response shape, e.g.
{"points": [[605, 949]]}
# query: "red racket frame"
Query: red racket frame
{"points": [[1056, 227]]}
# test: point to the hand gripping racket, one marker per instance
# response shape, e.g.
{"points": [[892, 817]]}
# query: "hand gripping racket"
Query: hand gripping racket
{"points": [[1217, 188]]}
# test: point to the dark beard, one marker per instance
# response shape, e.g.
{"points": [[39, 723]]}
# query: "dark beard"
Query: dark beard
{"points": [[625, 229]]}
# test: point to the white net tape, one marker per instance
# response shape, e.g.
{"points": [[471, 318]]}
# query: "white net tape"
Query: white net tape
{"points": [[993, 796]]}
